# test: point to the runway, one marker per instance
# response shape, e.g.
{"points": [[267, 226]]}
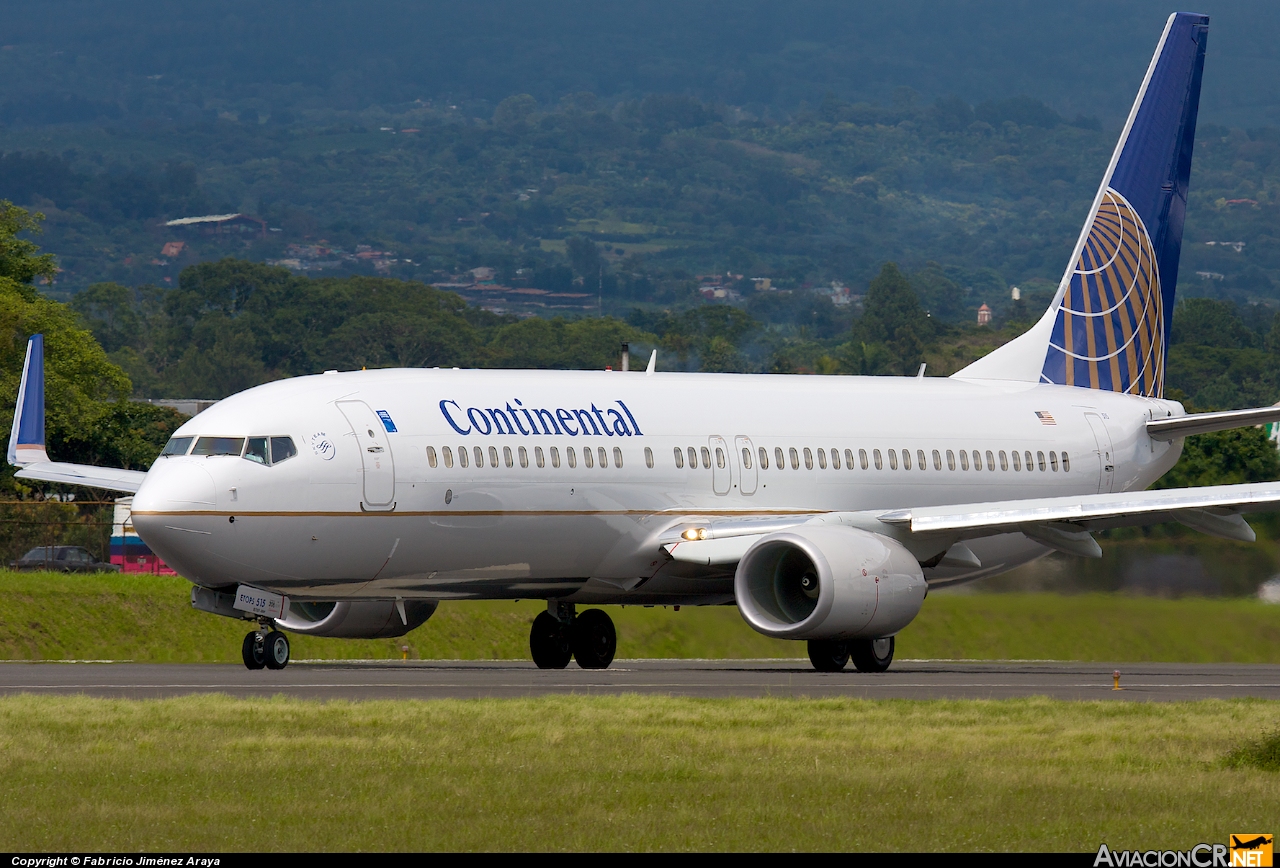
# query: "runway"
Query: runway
{"points": [[920, 679]]}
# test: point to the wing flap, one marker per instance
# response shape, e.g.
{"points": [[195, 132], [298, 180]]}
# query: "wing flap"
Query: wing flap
{"points": [[109, 478]]}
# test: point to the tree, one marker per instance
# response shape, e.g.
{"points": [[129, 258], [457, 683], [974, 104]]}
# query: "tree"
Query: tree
{"points": [[19, 260], [892, 317]]}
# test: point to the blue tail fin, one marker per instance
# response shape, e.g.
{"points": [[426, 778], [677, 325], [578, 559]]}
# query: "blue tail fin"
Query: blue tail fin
{"points": [[1109, 323], [26, 439]]}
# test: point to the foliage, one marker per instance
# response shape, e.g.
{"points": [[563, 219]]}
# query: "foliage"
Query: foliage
{"points": [[1225, 458], [19, 261]]}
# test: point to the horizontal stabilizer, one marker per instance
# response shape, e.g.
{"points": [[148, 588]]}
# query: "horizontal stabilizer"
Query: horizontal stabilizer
{"points": [[1203, 423], [108, 478]]}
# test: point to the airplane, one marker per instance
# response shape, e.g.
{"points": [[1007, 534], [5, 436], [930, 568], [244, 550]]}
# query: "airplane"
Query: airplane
{"points": [[351, 504]]}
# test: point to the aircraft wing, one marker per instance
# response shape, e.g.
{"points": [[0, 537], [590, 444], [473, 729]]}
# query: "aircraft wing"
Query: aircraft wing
{"points": [[109, 478], [1062, 523]]}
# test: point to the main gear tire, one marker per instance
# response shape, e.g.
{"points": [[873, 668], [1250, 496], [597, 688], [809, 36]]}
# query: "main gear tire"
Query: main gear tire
{"points": [[594, 639], [872, 655], [828, 655], [549, 642]]}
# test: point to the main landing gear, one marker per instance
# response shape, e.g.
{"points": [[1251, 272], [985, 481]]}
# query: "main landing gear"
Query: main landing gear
{"points": [[558, 634], [868, 655], [265, 647]]}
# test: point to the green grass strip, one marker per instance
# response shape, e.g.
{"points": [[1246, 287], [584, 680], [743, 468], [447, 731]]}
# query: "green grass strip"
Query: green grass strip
{"points": [[628, 773], [51, 616]]}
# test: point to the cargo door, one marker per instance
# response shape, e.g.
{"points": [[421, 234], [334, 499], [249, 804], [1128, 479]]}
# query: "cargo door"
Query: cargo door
{"points": [[375, 454], [747, 472]]}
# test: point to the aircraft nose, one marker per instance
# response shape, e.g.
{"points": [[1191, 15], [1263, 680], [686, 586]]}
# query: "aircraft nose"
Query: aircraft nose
{"points": [[175, 485], [171, 488]]}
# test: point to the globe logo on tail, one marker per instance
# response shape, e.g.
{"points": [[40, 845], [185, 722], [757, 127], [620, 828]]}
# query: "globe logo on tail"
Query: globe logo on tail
{"points": [[1109, 332]]}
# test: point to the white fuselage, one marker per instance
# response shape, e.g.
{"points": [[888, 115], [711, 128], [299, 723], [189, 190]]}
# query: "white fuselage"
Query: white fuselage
{"points": [[362, 512]]}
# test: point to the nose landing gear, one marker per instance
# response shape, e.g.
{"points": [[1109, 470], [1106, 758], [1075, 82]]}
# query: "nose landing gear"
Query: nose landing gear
{"points": [[266, 647], [558, 634]]}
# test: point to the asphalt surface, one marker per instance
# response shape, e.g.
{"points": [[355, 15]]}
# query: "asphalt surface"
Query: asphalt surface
{"points": [[705, 678]]}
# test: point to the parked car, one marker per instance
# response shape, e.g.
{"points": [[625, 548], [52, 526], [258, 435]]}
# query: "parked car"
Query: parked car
{"points": [[62, 559]]}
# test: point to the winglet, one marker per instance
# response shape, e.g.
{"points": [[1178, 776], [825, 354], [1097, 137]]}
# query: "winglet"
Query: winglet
{"points": [[26, 440]]}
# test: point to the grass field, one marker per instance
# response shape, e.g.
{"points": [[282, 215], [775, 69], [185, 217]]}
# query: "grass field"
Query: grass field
{"points": [[51, 616], [632, 773]]}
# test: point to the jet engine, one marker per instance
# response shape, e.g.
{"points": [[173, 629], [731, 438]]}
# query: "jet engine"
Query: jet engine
{"points": [[828, 582], [371, 619]]}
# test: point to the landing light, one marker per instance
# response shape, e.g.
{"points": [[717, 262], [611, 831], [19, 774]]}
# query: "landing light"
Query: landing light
{"points": [[695, 533]]}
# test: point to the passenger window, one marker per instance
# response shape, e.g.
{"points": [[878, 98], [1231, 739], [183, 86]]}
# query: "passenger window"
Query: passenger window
{"points": [[1053, 461], [779, 461], [555, 457], [746, 458], [1004, 460], [991, 461], [462, 456], [1027, 457], [431, 457], [257, 450], [1017, 461], [977, 460], [448, 456], [875, 453], [538, 457], [604, 459], [906, 459], [524, 457], [218, 446], [964, 460], [571, 457], [617, 457], [506, 456], [177, 446], [493, 456], [588, 460], [835, 459], [693, 459], [920, 460], [951, 460], [679, 458], [764, 458], [937, 460], [1040, 456], [822, 459], [479, 454], [706, 458], [808, 458], [1066, 463], [795, 458], [719, 458], [648, 457], [848, 459], [862, 459], [282, 448], [893, 459]]}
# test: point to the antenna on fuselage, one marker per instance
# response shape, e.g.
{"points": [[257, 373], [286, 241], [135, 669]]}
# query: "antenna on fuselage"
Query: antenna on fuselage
{"points": [[626, 356], [653, 363]]}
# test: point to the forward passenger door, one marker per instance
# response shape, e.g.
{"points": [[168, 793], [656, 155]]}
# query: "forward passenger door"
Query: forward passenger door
{"points": [[375, 454]]}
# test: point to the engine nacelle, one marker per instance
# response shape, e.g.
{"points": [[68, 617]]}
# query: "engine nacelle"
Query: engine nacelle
{"points": [[364, 619], [828, 582]]}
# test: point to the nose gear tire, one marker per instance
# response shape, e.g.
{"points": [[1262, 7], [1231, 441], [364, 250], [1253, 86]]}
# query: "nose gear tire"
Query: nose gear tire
{"points": [[276, 649], [253, 651]]}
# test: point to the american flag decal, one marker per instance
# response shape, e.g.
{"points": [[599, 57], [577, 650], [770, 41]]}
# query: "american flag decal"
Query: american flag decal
{"points": [[1045, 417]]}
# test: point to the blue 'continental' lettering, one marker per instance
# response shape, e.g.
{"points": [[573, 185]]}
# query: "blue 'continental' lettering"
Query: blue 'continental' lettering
{"points": [[511, 420]]}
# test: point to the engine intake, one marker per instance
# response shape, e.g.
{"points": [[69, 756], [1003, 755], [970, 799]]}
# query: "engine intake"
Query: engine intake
{"points": [[828, 582]]}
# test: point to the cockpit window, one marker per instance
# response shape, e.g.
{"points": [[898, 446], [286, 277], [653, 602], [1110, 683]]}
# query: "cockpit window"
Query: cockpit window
{"points": [[270, 450], [219, 446], [282, 448], [177, 446], [257, 450]]}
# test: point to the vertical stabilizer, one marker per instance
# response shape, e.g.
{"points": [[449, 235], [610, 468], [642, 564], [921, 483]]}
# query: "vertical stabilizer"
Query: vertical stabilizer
{"points": [[26, 439], [1108, 326]]}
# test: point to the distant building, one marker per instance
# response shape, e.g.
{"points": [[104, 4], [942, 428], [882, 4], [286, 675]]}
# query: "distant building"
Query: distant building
{"points": [[172, 249], [483, 274], [1015, 293], [185, 406], [762, 283], [984, 315], [219, 224], [837, 292]]}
